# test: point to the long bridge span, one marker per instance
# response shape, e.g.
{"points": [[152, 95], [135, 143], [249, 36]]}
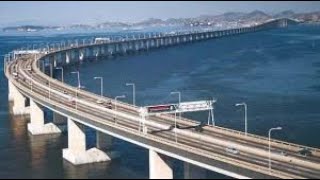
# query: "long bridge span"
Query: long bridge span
{"points": [[30, 77]]}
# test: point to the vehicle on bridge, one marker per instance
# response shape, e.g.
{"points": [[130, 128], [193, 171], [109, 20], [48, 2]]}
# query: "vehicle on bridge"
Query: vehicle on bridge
{"points": [[105, 104], [72, 101], [232, 150], [161, 108], [108, 105], [15, 75], [282, 153], [101, 40], [305, 152]]}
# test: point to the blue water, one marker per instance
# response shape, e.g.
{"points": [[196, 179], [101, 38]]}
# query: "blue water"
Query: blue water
{"points": [[275, 72]]}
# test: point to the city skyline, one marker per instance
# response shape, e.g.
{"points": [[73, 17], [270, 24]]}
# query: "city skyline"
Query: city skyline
{"points": [[97, 12]]}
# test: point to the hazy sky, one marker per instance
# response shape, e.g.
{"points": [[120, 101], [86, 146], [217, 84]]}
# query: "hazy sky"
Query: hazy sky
{"points": [[92, 12]]}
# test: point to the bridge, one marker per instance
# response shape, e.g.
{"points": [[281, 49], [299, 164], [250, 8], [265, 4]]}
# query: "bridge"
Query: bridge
{"points": [[30, 79]]}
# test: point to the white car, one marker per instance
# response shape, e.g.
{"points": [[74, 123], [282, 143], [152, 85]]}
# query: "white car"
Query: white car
{"points": [[99, 101], [232, 150]]}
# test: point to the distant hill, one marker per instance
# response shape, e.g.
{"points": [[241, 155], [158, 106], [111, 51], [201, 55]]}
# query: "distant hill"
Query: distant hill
{"points": [[285, 14], [256, 16], [229, 19], [112, 25]]}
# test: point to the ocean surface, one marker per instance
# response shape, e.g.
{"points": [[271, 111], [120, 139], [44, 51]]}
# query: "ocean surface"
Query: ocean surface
{"points": [[276, 72]]}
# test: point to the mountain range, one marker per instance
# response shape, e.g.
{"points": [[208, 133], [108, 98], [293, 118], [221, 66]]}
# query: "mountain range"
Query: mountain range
{"points": [[226, 19]]}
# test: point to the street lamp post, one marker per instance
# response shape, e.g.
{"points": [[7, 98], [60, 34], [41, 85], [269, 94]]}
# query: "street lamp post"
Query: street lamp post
{"points": [[62, 76], [29, 69], [101, 84], [133, 92], [175, 115], [78, 73], [115, 105], [245, 115], [79, 87], [51, 70], [175, 126], [77, 94], [272, 129], [179, 94], [49, 89], [48, 47]]}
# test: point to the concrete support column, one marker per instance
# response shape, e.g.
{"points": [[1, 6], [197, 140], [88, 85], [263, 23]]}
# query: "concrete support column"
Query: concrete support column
{"points": [[159, 167], [102, 50], [19, 101], [36, 125], [51, 63], [96, 52], [81, 55], [117, 48], [67, 57], [55, 61], [194, 172], [76, 153], [36, 114]]}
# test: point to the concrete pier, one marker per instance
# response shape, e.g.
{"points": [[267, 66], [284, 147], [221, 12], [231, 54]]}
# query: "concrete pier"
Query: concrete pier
{"points": [[36, 125], [77, 153], [159, 167], [19, 101]]}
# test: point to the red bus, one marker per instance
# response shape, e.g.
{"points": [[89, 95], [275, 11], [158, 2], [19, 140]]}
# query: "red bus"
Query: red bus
{"points": [[161, 108]]}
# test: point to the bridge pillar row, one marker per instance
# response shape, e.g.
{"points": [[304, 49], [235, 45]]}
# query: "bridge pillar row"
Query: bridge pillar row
{"points": [[77, 153], [36, 125], [19, 101], [159, 166], [194, 172]]}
